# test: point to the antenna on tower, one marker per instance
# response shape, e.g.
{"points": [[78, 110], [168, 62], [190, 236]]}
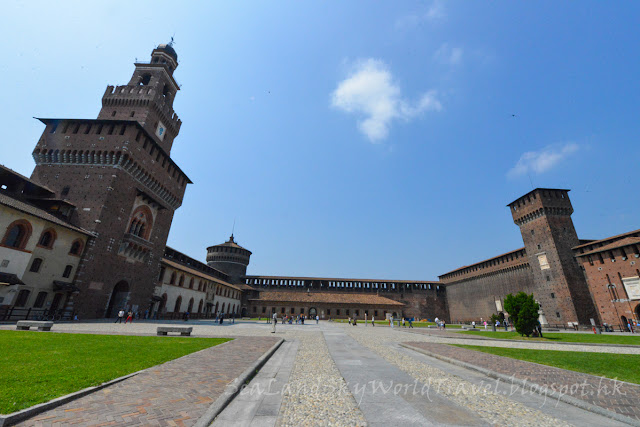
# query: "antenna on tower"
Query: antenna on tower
{"points": [[233, 229], [172, 42]]}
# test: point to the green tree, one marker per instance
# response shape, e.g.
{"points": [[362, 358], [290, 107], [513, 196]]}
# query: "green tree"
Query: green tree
{"points": [[523, 311]]}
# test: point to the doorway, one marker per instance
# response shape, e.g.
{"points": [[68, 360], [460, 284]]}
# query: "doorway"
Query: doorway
{"points": [[119, 298], [313, 313]]}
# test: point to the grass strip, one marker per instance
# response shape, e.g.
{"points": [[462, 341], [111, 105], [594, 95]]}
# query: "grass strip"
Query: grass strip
{"points": [[624, 367], [562, 337], [36, 367]]}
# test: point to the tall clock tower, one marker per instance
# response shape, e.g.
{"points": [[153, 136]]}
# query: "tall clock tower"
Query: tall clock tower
{"points": [[118, 172]]}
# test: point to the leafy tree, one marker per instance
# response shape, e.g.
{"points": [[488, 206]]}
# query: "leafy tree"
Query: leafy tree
{"points": [[523, 311]]}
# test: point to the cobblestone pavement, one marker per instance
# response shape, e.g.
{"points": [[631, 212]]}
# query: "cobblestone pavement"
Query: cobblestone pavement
{"points": [[175, 393], [612, 395]]}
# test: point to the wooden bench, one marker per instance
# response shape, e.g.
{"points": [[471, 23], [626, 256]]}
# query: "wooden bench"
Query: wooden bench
{"points": [[182, 330], [25, 325]]}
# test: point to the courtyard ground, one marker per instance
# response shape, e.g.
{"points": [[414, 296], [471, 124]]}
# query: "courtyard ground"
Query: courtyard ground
{"points": [[336, 374]]}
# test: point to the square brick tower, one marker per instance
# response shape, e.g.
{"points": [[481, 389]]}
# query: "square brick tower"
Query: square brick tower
{"points": [[544, 218], [118, 172]]}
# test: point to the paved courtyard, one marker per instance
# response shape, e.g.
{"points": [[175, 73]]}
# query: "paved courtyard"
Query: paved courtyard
{"points": [[336, 374]]}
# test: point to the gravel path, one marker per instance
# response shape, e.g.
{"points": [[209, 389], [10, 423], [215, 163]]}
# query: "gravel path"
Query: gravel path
{"points": [[494, 408], [317, 395]]}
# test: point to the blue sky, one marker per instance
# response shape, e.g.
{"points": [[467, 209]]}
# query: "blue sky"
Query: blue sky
{"points": [[356, 139]]}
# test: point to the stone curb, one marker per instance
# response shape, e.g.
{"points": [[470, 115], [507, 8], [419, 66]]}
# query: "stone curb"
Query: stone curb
{"points": [[481, 338], [530, 386], [234, 388], [15, 417]]}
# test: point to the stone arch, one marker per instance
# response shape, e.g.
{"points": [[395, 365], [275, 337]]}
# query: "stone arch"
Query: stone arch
{"points": [[176, 307]]}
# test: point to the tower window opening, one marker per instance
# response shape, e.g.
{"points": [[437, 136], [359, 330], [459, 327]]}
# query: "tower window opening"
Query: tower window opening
{"points": [[123, 129], [99, 130], [87, 130], [145, 79], [132, 114], [111, 129], [113, 113]]}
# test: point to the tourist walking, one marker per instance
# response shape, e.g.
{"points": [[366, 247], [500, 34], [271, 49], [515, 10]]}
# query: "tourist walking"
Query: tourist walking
{"points": [[129, 317], [275, 320], [221, 318], [355, 321], [473, 324], [410, 322], [403, 325], [349, 321], [506, 325], [391, 322], [317, 319], [373, 321], [485, 324], [120, 316]]}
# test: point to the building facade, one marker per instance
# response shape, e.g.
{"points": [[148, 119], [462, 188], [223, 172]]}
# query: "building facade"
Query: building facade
{"points": [[40, 250], [612, 268]]}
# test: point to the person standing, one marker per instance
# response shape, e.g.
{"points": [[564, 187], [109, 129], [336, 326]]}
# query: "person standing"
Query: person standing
{"points": [[485, 324], [120, 316], [129, 317], [275, 320], [373, 321], [391, 321], [317, 319], [411, 322], [349, 321], [473, 324]]}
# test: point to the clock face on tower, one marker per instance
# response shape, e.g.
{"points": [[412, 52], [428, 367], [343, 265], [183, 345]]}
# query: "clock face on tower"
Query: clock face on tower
{"points": [[161, 130]]}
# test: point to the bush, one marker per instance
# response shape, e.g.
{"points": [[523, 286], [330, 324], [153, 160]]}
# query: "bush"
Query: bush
{"points": [[523, 310]]}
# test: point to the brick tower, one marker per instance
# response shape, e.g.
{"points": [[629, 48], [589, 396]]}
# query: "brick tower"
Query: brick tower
{"points": [[118, 172], [230, 258], [544, 218]]}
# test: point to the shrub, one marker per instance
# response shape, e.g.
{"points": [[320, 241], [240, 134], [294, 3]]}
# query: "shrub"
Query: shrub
{"points": [[523, 310]]}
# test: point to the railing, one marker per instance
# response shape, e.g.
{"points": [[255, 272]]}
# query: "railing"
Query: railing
{"points": [[12, 313]]}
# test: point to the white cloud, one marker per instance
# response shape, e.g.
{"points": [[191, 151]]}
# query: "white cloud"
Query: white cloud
{"points": [[435, 12], [541, 161], [371, 92], [449, 55]]}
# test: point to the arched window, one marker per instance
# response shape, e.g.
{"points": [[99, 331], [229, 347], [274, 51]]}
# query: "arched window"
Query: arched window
{"points": [[35, 265], [76, 247], [181, 282], [47, 238], [191, 283], [190, 308], [17, 234], [23, 296], [141, 222], [173, 278]]}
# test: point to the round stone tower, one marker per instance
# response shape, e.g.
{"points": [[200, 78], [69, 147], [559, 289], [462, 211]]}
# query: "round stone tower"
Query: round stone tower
{"points": [[230, 258]]}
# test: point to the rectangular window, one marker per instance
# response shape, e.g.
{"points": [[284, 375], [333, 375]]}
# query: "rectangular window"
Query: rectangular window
{"points": [[302, 311], [282, 310], [328, 312], [553, 295], [347, 312], [255, 309], [23, 296], [67, 271], [375, 313], [264, 309], [42, 296], [338, 312], [357, 312], [35, 265]]}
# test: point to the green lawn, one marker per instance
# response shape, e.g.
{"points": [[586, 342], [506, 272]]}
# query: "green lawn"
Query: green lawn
{"points": [[621, 366], [36, 367], [562, 337]]}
